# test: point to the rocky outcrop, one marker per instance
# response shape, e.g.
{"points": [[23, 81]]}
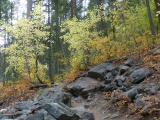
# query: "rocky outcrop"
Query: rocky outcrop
{"points": [[83, 86], [98, 72]]}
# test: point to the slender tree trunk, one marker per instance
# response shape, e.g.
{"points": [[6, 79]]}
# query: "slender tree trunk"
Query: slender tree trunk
{"points": [[29, 8], [50, 64], [157, 9], [150, 18], [73, 8]]}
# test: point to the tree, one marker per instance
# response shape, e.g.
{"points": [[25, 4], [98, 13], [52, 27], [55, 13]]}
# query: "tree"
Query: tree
{"points": [[73, 8], [30, 35], [29, 8], [150, 18]]}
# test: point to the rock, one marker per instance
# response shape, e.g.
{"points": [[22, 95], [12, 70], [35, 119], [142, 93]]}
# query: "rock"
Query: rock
{"points": [[123, 69], [123, 88], [139, 75], [89, 90], [24, 105], [98, 72], [129, 62], [157, 51], [37, 116], [53, 95], [2, 111], [131, 69], [139, 103], [153, 91], [22, 117], [110, 87], [141, 89], [49, 117], [131, 93], [158, 86], [78, 99], [115, 115], [119, 83], [23, 112], [83, 114], [108, 78], [41, 111], [150, 106], [1, 102], [120, 77], [60, 111], [82, 83], [6, 116]]}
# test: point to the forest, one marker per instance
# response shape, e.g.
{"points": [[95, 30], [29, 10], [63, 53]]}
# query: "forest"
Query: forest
{"points": [[56, 40], [44, 43]]}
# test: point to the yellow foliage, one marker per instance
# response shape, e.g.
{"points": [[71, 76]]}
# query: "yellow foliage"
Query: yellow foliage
{"points": [[14, 88]]}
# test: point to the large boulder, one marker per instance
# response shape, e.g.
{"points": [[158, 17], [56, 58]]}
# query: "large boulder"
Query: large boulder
{"points": [[139, 75], [24, 105], [98, 72], [53, 95], [83, 114], [60, 111], [86, 83], [37, 116]]}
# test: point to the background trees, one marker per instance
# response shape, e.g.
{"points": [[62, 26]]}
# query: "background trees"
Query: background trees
{"points": [[76, 37]]}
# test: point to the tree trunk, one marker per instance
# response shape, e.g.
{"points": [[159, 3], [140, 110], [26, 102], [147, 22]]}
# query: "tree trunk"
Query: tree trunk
{"points": [[73, 8], [29, 8], [150, 18]]}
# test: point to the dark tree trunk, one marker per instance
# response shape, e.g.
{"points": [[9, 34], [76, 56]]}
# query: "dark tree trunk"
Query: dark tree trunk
{"points": [[73, 8], [150, 18], [29, 8]]}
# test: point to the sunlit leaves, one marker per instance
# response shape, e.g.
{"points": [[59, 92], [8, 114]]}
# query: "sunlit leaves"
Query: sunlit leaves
{"points": [[30, 36]]}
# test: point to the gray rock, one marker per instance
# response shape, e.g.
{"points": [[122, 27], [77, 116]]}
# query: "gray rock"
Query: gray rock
{"points": [[23, 112], [82, 83], [37, 116], [115, 115], [131, 93], [153, 91], [41, 111], [1, 102], [83, 114], [150, 106], [131, 69], [98, 72], [24, 105], [90, 89], [108, 78], [129, 62], [22, 117], [139, 103], [6, 116], [110, 87], [139, 75], [123, 69], [60, 112], [123, 88], [119, 83], [53, 95], [157, 51], [141, 89], [49, 117], [120, 77]]}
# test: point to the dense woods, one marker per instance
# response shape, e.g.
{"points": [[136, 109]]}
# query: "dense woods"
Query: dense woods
{"points": [[50, 41]]}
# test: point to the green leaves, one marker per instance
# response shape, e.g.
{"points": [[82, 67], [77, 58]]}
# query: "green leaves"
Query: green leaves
{"points": [[30, 36]]}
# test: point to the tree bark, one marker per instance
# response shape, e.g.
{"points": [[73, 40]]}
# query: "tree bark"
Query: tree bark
{"points": [[73, 8], [29, 8], [150, 18]]}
